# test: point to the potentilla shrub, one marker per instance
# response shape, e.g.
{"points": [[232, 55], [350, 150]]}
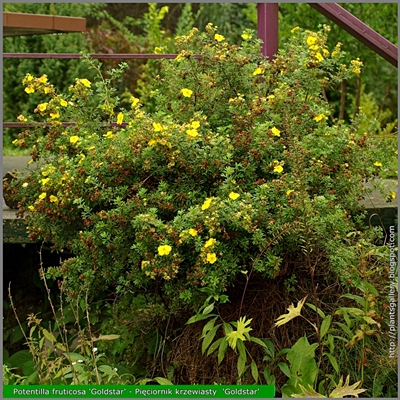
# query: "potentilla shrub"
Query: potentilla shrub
{"points": [[241, 167]]}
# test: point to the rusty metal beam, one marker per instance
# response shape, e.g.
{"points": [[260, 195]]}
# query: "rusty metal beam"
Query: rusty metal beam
{"points": [[359, 30], [138, 56], [268, 28]]}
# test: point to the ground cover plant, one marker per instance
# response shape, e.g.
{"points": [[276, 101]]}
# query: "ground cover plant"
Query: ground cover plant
{"points": [[238, 196]]}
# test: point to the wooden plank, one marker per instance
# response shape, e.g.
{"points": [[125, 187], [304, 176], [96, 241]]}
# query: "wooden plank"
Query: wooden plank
{"points": [[23, 24]]}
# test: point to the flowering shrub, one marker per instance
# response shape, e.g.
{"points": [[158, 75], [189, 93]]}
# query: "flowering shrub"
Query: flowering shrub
{"points": [[241, 167]]}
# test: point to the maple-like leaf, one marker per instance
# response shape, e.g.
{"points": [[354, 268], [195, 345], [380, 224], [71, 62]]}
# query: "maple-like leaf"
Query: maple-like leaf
{"points": [[347, 390], [293, 313], [338, 393], [309, 393]]}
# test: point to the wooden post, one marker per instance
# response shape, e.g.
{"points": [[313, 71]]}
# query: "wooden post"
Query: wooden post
{"points": [[268, 28]]}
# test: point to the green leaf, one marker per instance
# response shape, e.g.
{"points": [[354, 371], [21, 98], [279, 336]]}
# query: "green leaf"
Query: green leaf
{"points": [[209, 338], [49, 336], [222, 350], [227, 328], [19, 358], [208, 326], [254, 371], [208, 309], [199, 317], [360, 300], [353, 311], [303, 367], [215, 345], [333, 361], [368, 286], [270, 348], [318, 310], [241, 365], [163, 381], [74, 356], [241, 349], [285, 369], [326, 323], [32, 379], [269, 378], [346, 329], [258, 341]]}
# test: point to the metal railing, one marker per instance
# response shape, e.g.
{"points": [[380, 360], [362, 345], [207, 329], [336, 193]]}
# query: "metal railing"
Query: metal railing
{"points": [[267, 32]]}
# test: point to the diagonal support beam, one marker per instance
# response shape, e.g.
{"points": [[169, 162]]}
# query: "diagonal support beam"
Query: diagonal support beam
{"points": [[359, 30], [268, 28]]}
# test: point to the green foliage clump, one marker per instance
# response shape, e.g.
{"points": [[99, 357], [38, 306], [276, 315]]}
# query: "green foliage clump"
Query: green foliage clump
{"points": [[234, 171]]}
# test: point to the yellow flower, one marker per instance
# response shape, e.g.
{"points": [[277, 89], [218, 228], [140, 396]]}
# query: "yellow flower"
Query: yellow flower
{"points": [[296, 28], [43, 79], [120, 118], [355, 66], [22, 118], [74, 139], [192, 132], [233, 195], [187, 92], [31, 208], [393, 195], [152, 142], [63, 103], [326, 52], [278, 169], [192, 232], [145, 264], [319, 57], [210, 243], [311, 40], [53, 199], [320, 117], [85, 82], [44, 181], [246, 36], [157, 127], [288, 192], [195, 124], [164, 250], [158, 50], [29, 77], [314, 47], [25, 184], [109, 134], [258, 71], [55, 115], [378, 164], [134, 101], [211, 258], [29, 89], [275, 131], [42, 106], [218, 38], [206, 204], [42, 195]]}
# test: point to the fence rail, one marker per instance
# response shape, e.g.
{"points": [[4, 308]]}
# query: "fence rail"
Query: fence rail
{"points": [[138, 56]]}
